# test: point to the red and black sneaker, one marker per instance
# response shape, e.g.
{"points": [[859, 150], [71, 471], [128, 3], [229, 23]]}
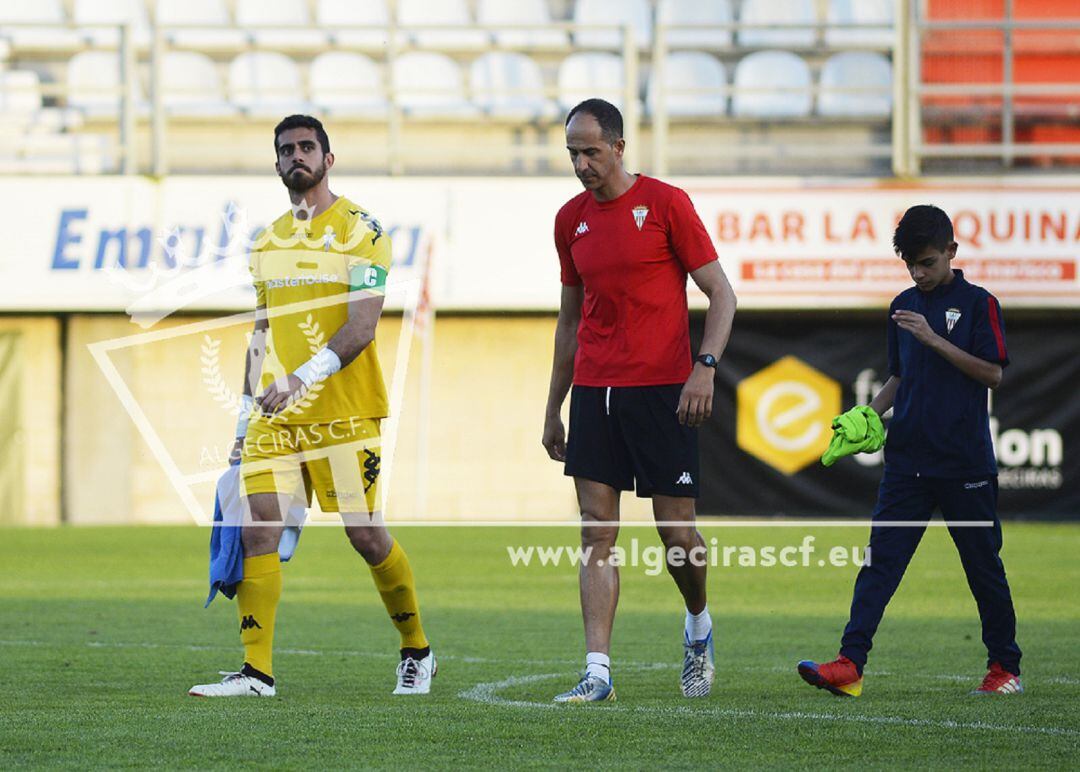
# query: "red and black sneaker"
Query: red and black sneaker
{"points": [[998, 680], [841, 676]]}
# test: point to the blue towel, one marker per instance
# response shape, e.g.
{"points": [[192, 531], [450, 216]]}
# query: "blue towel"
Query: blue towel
{"points": [[226, 546]]}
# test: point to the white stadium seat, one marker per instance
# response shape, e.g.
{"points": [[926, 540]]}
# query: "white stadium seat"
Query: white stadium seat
{"points": [[694, 86], [93, 82], [20, 93], [429, 84], [206, 25], [876, 12], [191, 86], [347, 83], [41, 25], [266, 83], [778, 84], [861, 70], [586, 75], [635, 13], [778, 12], [280, 24], [701, 16], [532, 12], [351, 24], [413, 15], [510, 85], [98, 20]]}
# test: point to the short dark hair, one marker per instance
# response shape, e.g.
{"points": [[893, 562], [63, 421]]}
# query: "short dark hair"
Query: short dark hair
{"points": [[303, 122], [922, 226], [605, 113]]}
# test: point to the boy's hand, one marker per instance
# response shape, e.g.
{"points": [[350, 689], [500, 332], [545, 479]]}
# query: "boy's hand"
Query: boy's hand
{"points": [[916, 324]]}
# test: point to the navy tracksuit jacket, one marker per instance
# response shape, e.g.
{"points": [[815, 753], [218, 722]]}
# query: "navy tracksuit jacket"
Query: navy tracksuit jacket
{"points": [[939, 455]]}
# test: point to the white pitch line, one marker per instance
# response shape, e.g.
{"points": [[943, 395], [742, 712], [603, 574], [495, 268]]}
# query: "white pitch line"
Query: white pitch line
{"points": [[487, 694]]}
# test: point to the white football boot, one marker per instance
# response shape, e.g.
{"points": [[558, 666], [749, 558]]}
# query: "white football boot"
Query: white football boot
{"points": [[234, 685], [414, 675]]}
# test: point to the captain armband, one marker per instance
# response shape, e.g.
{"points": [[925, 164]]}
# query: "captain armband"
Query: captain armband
{"points": [[367, 277]]}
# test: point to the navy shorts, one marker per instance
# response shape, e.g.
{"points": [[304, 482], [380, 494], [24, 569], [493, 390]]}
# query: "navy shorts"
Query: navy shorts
{"points": [[630, 436]]}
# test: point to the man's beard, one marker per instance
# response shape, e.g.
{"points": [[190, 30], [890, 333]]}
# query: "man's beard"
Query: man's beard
{"points": [[305, 181]]}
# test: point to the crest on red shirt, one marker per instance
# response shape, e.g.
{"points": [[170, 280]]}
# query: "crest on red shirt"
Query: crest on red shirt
{"points": [[640, 213]]}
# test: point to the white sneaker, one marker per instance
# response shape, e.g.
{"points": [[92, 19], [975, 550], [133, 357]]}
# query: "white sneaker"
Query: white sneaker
{"points": [[234, 685], [414, 675]]}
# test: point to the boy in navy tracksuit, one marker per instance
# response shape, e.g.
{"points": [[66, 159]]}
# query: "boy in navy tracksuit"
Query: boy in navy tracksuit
{"points": [[946, 346]]}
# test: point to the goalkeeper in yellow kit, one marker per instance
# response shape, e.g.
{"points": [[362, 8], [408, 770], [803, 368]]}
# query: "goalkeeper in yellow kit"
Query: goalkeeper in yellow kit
{"points": [[316, 396]]}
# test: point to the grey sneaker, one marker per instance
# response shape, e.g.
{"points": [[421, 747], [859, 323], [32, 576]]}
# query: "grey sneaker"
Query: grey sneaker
{"points": [[589, 689], [698, 668]]}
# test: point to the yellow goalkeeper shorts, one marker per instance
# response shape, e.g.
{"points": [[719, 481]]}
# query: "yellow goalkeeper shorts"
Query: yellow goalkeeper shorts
{"points": [[340, 461]]}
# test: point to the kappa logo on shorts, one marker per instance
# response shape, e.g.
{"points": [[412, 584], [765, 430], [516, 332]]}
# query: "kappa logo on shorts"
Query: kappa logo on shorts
{"points": [[371, 468], [685, 479], [976, 485]]}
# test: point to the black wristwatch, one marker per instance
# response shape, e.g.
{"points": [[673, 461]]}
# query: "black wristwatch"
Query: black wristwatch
{"points": [[707, 359]]}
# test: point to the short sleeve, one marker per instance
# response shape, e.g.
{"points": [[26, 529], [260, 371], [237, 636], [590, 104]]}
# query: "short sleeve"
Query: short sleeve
{"points": [[988, 336], [687, 235], [893, 344], [369, 255], [568, 273]]}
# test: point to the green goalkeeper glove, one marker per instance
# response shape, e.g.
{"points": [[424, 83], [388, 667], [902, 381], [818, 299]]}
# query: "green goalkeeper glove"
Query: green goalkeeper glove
{"points": [[859, 430]]}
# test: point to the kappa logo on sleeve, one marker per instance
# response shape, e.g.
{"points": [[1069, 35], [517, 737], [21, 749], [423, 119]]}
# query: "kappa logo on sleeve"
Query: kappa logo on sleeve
{"points": [[582, 229]]}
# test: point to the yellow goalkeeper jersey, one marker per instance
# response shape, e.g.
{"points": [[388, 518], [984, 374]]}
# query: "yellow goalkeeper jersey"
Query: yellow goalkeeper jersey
{"points": [[309, 263]]}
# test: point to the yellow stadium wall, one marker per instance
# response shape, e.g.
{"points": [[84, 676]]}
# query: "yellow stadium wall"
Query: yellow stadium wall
{"points": [[488, 387], [32, 495]]}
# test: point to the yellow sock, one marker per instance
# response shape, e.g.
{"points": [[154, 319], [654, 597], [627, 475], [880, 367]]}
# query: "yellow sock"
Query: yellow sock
{"points": [[394, 581], [257, 599]]}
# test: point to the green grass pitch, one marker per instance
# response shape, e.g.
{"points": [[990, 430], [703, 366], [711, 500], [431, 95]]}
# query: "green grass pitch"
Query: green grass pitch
{"points": [[103, 631]]}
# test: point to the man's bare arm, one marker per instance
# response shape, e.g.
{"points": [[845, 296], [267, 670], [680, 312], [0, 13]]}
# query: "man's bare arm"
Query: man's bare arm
{"points": [[695, 401], [562, 370]]}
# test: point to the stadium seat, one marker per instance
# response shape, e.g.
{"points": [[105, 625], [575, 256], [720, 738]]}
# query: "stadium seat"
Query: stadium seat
{"points": [[280, 24], [20, 93], [41, 25], [778, 84], [861, 70], [700, 16], [191, 86], [533, 12], [414, 15], [344, 83], [694, 86], [93, 81], [772, 12], [350, 24], [510, 85], [635, 13], [593, 74], [876, 12], [267, 84], [98, 19], [429, 84], [206, 25]]}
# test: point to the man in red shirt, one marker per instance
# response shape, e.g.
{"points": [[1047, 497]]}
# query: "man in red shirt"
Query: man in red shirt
{"points": [[626, 246]]}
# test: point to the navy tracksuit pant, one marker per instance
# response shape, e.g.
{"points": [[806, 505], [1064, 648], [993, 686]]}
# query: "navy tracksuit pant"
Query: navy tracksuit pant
{"points": [[914, 499]]}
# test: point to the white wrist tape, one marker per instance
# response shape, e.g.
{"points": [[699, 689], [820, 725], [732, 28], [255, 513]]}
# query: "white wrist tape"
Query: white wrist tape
{"points": [[320, 367], [247, 402]]}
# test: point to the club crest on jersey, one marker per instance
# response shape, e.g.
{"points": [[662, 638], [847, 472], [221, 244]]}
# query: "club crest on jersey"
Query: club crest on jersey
{"points": [[952, 316], [640, 213]]}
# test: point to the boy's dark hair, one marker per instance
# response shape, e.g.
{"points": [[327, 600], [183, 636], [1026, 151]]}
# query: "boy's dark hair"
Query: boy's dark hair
{"points": [[922, 226], [303, 122], [605, 113]]}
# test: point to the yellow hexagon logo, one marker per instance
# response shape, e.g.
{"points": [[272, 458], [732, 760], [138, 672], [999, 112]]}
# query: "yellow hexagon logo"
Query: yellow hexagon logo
{"points": [[784, 414]]}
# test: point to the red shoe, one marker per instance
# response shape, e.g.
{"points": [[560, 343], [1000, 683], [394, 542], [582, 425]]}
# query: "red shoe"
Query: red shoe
{"points": [[841, 676], [998, 680]]}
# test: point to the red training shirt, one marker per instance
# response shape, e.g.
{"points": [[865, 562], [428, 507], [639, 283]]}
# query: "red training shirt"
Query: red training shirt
{"points": [[632, 254]]}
